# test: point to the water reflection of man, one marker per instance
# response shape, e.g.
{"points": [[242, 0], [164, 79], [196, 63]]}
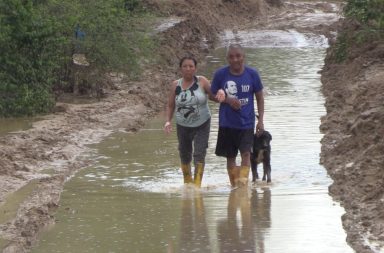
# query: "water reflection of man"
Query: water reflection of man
{"points": [[194, 232], [235, 236], [261, 215]]}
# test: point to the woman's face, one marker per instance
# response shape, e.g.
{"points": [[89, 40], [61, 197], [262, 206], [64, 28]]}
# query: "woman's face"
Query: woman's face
{"points": [[188, 68]]}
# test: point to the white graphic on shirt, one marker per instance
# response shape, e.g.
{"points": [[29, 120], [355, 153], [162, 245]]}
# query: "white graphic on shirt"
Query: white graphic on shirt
{"points": [[187, 106], [245, 88], [243, 101], [231, 89]]}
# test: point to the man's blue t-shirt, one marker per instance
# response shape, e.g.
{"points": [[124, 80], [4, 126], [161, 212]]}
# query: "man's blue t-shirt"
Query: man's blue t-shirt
{"points": [[242, 87]]}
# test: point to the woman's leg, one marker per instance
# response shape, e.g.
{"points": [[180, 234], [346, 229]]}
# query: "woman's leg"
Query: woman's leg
{"points": [[185, 152], [200, 150]]}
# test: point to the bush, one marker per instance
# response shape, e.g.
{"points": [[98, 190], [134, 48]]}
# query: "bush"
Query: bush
{"points": [[38, 39], [364, 24], [340, 48], [30, 46], [367, 12]]}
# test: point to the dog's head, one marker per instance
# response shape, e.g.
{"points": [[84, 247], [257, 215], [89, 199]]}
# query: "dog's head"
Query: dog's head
{"points": [[262, 141]]}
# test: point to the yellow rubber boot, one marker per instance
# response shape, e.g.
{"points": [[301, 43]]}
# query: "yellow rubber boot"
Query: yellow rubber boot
{"points": [[243, 175], [198, 175], [233, 174], [186, 168]]}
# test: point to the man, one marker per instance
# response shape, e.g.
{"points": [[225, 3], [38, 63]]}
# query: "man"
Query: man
{"points": [[237, 113]]}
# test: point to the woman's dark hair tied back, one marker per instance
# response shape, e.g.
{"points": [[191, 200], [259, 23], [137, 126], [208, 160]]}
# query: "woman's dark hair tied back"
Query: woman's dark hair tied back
{"points": [[187, 57]]}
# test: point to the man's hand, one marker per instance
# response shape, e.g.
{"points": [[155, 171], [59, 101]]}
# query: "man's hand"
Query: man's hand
{"points": [[259, 128], [233, 102]]}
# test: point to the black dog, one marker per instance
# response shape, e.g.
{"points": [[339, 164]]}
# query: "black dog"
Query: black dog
{"points": [[261, 153]]}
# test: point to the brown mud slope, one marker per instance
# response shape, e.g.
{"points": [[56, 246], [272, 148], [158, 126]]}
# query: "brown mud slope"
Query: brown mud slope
{"points": [[202, 21], [353, 145], [54, 149]]}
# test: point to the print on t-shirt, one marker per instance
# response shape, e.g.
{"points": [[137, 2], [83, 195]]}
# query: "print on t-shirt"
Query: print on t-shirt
{"points": [[187, 104], [231, 89]]}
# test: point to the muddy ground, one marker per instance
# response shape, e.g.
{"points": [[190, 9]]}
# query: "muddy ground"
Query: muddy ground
{"points": [[55, 148], [353, 145]]}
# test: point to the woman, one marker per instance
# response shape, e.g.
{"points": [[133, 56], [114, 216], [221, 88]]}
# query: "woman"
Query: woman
{"points": [[188, 100]]}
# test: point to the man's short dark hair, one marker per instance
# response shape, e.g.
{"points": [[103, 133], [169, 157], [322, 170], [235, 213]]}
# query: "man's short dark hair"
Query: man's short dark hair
{"points": [[235, 46]]}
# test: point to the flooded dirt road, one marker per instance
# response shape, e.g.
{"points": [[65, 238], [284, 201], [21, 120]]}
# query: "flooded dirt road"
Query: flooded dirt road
{"points": [[133, 200]]}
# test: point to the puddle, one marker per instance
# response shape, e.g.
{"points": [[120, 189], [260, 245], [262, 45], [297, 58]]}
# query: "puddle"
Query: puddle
{"points": [[316, 13], [11, 204], [3, 243], [9, 125], [274, 39], [133, 197]]}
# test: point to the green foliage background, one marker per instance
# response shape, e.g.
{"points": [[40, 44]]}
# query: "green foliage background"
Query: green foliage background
{"points": [[37, 40], [369, 15]]}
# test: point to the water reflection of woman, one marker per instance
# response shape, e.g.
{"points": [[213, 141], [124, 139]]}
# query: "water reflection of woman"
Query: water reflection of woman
{"points": [[194, 231]]}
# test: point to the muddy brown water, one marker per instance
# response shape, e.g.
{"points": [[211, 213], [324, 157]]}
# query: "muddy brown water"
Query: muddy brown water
{"points": [[133, 200], [9, 125]]}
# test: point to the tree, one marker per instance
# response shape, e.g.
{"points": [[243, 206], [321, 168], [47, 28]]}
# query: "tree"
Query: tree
{"points": [[30, 48]]}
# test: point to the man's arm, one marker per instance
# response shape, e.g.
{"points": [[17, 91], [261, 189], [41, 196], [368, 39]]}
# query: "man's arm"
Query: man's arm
{"points": [[260, 110]]}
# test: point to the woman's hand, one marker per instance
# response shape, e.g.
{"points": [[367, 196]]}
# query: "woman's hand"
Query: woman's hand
{"points": [[233, 102], [220, 96], [167, 127]]}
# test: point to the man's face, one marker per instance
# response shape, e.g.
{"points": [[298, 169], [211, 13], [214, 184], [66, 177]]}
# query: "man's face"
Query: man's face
{"points": [[235, 58]]}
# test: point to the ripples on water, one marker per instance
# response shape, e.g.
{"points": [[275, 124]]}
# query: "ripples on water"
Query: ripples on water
{"points": [[274, 39], [133, 200]]}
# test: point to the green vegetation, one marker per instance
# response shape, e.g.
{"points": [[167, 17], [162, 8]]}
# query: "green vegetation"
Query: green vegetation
{"points": [[369, 17], [341, 48], [39, 37], [370, 13]]}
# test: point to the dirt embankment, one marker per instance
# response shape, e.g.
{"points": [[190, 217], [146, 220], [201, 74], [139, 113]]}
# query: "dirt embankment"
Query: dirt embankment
{"points": [[353, 145]]}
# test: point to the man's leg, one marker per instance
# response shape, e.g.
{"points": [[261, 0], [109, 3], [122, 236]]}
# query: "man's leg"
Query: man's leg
{"points": [[233, 172], [226, 147], [244, 169], [245, 147]]}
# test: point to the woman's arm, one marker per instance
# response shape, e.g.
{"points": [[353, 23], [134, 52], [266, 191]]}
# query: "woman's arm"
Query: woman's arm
{"points": [[207, 88], [220, 96], [170, 108]]}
